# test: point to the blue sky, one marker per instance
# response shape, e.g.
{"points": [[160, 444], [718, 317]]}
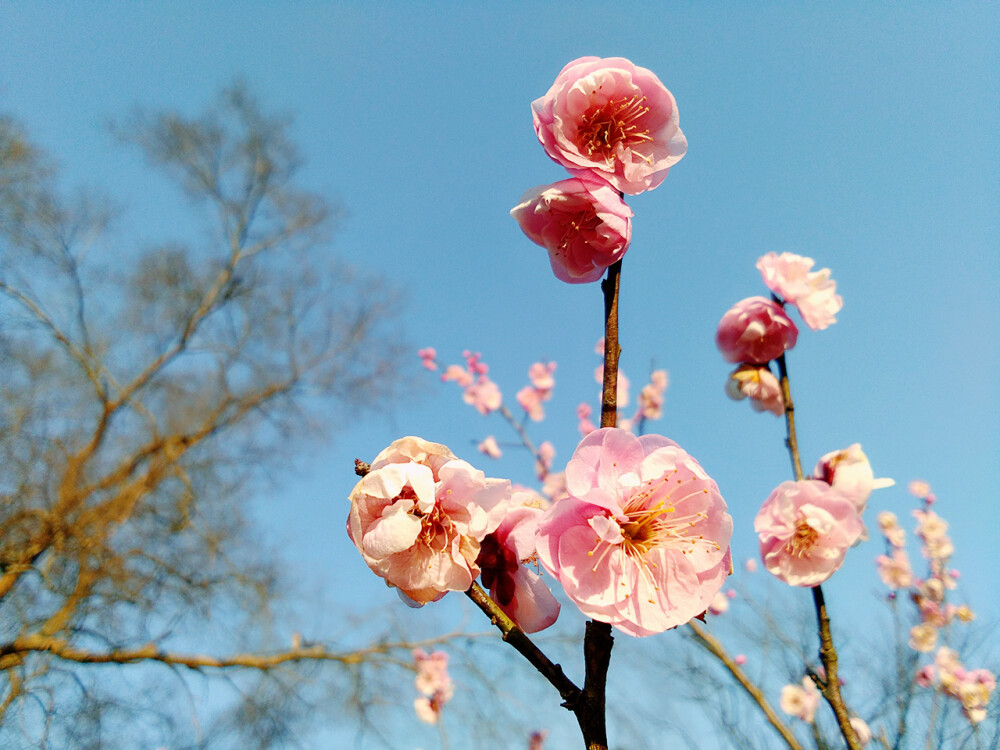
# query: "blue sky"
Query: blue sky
{"points": [[863, 135]]}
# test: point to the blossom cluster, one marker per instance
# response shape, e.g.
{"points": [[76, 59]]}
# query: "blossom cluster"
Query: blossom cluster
{"points": [[434, 684], [756, 331], [806, 527], [972, 688], [614, 126]]}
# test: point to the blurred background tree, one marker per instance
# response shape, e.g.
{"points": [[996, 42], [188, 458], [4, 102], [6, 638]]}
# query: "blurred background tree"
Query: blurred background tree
{"points": [[148, 394]]}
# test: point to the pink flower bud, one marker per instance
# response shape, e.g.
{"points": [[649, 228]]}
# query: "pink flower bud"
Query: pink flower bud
{"points": [[755, 331]]}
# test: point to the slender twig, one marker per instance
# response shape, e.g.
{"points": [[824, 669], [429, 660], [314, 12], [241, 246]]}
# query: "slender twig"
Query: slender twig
{"points": [[830, 685], [713, 646], [517, 638]]}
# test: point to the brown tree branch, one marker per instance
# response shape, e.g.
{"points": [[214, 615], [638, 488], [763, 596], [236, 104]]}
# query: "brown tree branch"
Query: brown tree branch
{"points": [[714, 647]]}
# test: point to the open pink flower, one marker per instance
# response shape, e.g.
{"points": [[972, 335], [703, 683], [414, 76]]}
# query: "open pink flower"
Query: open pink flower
{"points": [[585, 226], [801, 701], [504, 558], [895, 570], [805, 529], [755, 330], [611, 118], [759, 384], [813, 293], [419, 515], [642, 539], [651, 395], [849, 472]]}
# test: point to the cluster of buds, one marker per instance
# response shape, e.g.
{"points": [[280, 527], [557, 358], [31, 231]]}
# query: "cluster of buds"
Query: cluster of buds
{"points": [[757, 331], [433, 683]]}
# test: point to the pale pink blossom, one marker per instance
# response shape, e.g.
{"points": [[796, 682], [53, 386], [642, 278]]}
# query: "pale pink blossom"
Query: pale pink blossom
{"points": [[919, 488], [750, 565], [895, 571], [484, 395], [755, 331], [489, 447], [719, 604], [642, 539], [459, 375], [861, 730], [419, 515], [530, 400], [849, 472], [651, 396], [584, 225], [611, 118], [923, 637], [805, 529], [554, 485], [427, 358], [812, 292], [930, 526], [740, 659], [583, 412], [889, 526], [800, 701], [540, 374], [759, 385], [435, 684], [504, 558]]}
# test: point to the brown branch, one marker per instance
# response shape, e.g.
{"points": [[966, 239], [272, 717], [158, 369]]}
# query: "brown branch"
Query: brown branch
{"points": [[791, 441], [517, 638], [609, 392], [58, 647], [830, 686], [714, 647]]}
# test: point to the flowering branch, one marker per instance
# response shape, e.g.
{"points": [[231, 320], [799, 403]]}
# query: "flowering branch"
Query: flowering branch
{"points": [[830, 684], [714, 647]]}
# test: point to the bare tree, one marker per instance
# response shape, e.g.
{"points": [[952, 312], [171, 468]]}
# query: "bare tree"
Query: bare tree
{"points": [[143, 396]]}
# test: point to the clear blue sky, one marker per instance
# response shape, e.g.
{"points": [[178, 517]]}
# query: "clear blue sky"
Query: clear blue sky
{"points": [[861, 134]]}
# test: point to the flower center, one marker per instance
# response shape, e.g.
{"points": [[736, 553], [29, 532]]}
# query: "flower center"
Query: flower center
{"points": [[802, 540], [616, 122]]}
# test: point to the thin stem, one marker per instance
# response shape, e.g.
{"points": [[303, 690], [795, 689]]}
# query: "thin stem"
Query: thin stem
{"points": [[713, 646], [609, 392], [830, 686], [791, 441]]}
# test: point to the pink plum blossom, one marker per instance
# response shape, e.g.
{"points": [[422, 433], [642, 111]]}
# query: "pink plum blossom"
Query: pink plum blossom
{"points": [[750, 565], [919, 488], [435, 684], [584, 225], [540, 375], [583, 412], [755, 331], [719, 604], [613, 119], [895, 571], [641, 541], [812, 292], [740, 659], [926, 676], [805, 529], [489, 447], [923, 637], [419, 515], [459, 375], [504, 556], [759, 385], [651, 396], [889, 526], [530, 399], [849, 472], [427, 358], [484, 395], [543, 460], [801, 702]]}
